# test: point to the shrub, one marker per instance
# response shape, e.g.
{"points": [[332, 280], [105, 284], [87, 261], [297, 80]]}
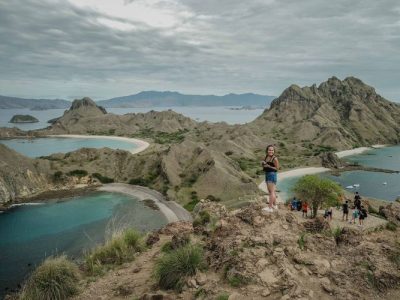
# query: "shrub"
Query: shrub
{"points": [[190, 206], [223, 296], [57, 176], [391, 226], [167, 247], [133, 240], [302, 240], [55, 279], [121, 248], [102, 179], [78, 173], [172, 268], [318, 191], [213, 198], [337, 234]]}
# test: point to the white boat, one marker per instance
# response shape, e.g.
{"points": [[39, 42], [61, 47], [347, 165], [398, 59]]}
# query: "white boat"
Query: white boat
{"points": [[349, 187], [385, 183], [356, 185]]}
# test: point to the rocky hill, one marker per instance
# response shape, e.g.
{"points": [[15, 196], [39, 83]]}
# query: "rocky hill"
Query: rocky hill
{"points": [[340, 114], [23, 119], [21, 176], [86, 117]]}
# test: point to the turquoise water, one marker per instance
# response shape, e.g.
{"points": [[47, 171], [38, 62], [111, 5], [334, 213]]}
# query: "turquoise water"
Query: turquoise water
{"points": [[46, 146], [371, 183], [30, 233]]}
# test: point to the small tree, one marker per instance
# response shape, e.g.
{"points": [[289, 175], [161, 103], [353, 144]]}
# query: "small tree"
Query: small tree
{"points": [[317, 191]]}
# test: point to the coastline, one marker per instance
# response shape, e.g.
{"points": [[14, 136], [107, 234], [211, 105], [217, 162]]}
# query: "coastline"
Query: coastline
{"points": [[172, 211], [359, 150], [142, 145]]}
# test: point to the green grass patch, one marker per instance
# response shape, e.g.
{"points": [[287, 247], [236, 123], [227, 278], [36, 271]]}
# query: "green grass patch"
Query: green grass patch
{"points": [[78, 173], [391, 226], [223, 296], [55, 279], [161, 137], [172, 269], [121, 248], [302, 240]]}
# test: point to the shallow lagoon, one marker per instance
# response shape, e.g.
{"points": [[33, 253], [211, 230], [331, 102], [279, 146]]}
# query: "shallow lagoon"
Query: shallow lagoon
{"points": [[30, 233]]}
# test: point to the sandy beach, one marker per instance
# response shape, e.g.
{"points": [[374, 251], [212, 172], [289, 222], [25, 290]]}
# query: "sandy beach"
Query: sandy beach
{"points": [[359, 150], [171, 210], [142, 145]]}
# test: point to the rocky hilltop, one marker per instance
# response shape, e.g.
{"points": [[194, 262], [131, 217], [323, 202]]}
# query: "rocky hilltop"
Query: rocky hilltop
{"points": [[86, 117], [251, 255], [340, 114]]}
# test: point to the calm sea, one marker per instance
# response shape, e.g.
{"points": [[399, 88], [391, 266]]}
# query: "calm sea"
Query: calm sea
{"points": [[31, 233], [211, 114]]}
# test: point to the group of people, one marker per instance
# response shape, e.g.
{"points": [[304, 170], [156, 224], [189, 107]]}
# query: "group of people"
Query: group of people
{"points": [[271, 166], [299, 205], [359, 211]]}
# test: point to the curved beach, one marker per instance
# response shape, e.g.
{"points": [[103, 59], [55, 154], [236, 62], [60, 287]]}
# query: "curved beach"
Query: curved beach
{"points": [[142, 145], [171, 210]]}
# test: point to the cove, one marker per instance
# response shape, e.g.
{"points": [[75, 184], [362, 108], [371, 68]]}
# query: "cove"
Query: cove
{"points": [[45, 146], [371, 183], [30, 233]]}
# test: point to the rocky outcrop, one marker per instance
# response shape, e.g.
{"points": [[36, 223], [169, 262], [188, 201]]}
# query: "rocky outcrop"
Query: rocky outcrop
{"points": [[391, 212], [337, 113], [331, 160], [20, 176]]}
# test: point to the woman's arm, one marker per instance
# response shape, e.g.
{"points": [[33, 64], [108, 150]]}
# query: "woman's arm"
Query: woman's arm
{"points": [[276, 163]]}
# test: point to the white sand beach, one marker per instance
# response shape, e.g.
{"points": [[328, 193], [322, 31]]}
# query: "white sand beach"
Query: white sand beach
{"points": [[170, 209], [359, 150], [142, 144]]}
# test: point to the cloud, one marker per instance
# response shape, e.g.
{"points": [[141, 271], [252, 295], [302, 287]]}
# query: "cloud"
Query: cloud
{"points": [[99, 48]]}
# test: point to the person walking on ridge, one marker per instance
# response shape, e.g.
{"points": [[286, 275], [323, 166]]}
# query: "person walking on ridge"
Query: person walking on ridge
{"points": [[270, 166], [345, 207]]}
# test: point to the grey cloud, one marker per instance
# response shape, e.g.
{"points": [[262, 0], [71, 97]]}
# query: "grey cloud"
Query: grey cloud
{"points": [[226, 46]]}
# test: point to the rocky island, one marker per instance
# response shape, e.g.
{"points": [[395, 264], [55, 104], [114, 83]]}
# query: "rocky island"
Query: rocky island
{"points": [[23, 119]]}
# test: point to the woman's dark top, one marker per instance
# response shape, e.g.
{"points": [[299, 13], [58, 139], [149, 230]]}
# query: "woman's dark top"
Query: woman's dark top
{"points": [[267, 167]]}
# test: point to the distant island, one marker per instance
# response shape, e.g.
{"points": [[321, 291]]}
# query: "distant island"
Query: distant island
{"points": [[146, 99], [33, 104], [163, 99], [23, 119]]}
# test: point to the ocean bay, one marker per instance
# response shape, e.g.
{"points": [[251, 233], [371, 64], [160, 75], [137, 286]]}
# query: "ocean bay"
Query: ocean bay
{"points": [[30, 233]]}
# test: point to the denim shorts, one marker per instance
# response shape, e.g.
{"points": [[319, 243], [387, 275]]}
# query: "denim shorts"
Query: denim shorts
{"points": [[270, 177]]}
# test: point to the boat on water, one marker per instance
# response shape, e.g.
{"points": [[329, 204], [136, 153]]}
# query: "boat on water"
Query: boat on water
{"points": [[349, 187], [385, 183], [356, 185]]}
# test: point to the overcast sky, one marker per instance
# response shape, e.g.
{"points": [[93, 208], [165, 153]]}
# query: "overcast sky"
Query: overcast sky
{"points": [[106, 48]]}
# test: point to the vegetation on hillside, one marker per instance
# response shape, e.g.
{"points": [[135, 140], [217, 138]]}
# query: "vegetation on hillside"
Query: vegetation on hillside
{"points": [[317, 192]]}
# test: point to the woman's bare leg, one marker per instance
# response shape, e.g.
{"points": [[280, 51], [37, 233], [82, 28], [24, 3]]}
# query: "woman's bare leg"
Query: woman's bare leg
{"points": [[272, 195]]}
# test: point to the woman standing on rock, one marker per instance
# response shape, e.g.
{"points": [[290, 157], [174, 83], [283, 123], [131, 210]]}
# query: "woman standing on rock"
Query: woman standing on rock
{"points": [[271, 165]]}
